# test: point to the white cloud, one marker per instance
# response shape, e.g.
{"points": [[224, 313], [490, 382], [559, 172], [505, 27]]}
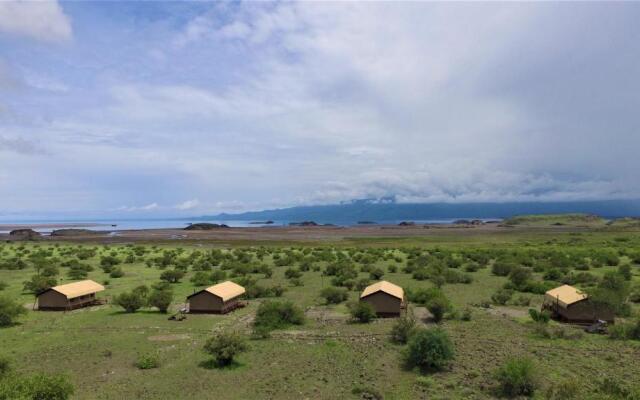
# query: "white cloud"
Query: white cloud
{"points": [[274, 104], [148, 207], [42, 20], [188, 205]]}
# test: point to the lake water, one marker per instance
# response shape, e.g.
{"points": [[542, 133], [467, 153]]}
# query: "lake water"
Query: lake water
{"points": [[46, 226]]}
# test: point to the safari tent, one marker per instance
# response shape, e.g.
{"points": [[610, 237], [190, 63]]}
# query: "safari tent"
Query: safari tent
{"points": [[69, 296], [216, 299], [386, 298], [569, 304]]}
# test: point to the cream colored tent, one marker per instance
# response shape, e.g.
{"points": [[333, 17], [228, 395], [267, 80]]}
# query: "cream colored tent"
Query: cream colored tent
{"points": [[386, 298], [69, 296], [216, 299], [572, 305]]}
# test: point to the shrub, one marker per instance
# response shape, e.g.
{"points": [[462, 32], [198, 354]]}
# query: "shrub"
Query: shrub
{"points": [[502, 296], [39, 283], [172, 275], [403, 329], [130, 301], [362, 311], [376, 274], [467, 314], [522, 300], [625, 331], [5, 366], [224, 347], [116, 272], [519, 276], [625, 271], [147, 361], [565, 390], [438, 306], [276, 315], [48, 387], [501, 268], [334, 295], [539, 316], [429, 349], [9, 310], [392, 269], [217, 275], [200, 278], [516, 378], [292, 273], [3, 285], [161, 299]]}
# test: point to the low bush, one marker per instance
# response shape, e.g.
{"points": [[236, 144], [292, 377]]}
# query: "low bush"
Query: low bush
{"points": [[516, 377], [172, 275], [540, 316], [161, 299], [438, 306], [5, 366], [334, 295], [566, 390], [3, 285], [10, 310], [429, 349], [116, 272], [276, 315], [502, 296], [362, 311], [224, 347], [147, 361], [625, 331], [130, 301], [403, 329]]}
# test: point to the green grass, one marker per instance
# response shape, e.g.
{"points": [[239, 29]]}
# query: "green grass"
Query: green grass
{"points": [[327, 357]]}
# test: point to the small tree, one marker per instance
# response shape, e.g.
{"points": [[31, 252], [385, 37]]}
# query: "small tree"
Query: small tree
{"points": [[516, 377], [172, 275], [224, 346], [292, 273], [403, 329], [502, 296], [200, 278], [39, 283], [438, 306], [161, 299], [429, 349], [276, 315], [334, 295], [376, 274], [9, 310], [130, 301], [362, 311], [539, 316]]}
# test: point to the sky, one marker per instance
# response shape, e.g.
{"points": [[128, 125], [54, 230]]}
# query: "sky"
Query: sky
{"points": [[176, 108]]}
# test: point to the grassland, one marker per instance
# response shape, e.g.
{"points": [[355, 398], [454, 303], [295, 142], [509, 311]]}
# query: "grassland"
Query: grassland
{"points": [[328, 357]]}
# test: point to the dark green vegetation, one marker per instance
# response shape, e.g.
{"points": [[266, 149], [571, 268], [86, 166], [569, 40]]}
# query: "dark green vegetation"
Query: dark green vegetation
{"points": [[469, 296]]}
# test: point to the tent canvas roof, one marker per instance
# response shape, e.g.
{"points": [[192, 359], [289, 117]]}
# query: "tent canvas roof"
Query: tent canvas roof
{"points": [[383, 286], [226, 290], [77, 289], [565, 295]]}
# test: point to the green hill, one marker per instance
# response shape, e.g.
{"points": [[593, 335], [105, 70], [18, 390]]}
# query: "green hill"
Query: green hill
{"points": [[556, 220]]}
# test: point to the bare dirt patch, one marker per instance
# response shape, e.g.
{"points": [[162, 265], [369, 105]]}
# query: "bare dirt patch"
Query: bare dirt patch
{"points": [[507, 312], [168, 338]]}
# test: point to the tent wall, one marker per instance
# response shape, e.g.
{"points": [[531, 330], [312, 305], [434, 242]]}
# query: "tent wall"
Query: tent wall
{"points": [[384, 304]]}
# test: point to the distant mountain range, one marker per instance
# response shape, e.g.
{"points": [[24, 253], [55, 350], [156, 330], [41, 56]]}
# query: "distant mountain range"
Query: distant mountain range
{"points": [[388, 210]]}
